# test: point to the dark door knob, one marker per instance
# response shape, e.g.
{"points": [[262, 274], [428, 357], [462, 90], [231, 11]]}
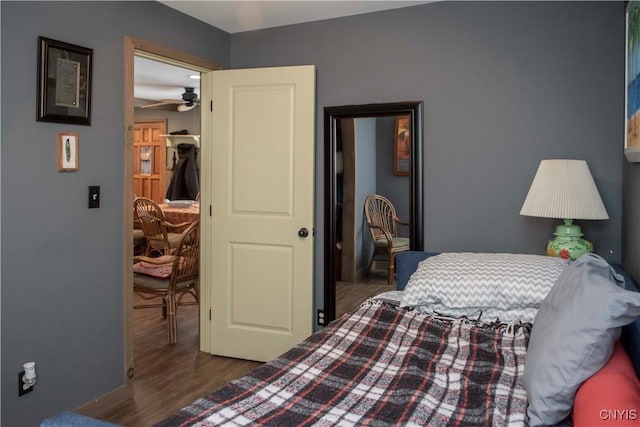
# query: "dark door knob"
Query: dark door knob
{"points": [[303, 232]]}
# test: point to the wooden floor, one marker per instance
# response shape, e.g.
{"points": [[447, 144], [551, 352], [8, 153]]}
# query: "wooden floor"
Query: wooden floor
{"points": [[168, 378], [349, 295]]}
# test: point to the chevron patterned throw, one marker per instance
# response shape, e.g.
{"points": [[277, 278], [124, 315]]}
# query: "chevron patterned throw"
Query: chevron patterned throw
{"points": [[508, 286]]}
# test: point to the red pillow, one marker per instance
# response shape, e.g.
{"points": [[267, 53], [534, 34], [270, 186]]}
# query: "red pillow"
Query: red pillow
{"points": [[611, 396]]}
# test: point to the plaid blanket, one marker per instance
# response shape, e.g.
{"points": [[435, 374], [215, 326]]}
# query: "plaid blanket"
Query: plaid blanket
{"points": [[378, 366]]}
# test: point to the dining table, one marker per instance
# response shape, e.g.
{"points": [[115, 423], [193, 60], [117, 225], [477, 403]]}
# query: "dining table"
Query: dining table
{"points": [[178, 214]]}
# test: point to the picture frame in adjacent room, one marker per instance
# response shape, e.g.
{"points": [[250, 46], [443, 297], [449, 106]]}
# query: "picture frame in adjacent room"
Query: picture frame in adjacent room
{"points": [[64, 82], [402, 146], [632, 82], [67, 151]]}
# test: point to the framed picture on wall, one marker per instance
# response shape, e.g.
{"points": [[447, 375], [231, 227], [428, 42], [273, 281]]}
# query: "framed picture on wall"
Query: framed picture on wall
{"points": [[402, 146], [67, 151], [64, 82], [632, 82]]}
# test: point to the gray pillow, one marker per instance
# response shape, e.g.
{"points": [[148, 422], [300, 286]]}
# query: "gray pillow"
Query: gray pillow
{"points": [[573, 335]]}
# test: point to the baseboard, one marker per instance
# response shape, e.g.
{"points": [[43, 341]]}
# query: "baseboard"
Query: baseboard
{"points": [[362, 274], [381, 265], [106, 402]]}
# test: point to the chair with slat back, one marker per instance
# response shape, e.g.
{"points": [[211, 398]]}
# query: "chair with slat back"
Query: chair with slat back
{"points": [[171, 278], [383, 223], [139, 239], [161, 240]]}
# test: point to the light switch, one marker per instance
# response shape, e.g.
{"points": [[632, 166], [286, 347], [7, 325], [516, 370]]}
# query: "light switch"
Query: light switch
{"points": [[94, 196]]}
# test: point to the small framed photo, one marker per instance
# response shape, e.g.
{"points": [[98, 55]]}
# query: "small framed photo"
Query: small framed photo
{"points": [[67, 151], [64, 82], [402, 146]]}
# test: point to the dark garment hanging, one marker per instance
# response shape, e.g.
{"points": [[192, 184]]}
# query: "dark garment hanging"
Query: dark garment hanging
{"points": [[185, 184]]}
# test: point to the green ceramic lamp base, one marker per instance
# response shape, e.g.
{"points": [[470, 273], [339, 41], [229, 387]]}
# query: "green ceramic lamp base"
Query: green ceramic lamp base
{"points": [[568, 243]]}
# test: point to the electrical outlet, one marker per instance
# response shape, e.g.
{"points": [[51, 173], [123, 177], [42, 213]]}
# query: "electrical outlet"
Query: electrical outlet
{"points": [[321, 319], [21, 390]]}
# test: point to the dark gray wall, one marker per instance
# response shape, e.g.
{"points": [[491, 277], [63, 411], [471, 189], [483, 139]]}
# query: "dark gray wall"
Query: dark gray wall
{"points": [[62, 301], [504, 85]]}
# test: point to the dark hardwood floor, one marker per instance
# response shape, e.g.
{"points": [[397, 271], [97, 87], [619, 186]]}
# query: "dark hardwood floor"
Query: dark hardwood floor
{"points": [[350, 294], [170, 377]]}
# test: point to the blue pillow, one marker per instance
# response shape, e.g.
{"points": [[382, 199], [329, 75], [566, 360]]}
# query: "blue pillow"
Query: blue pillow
{"points": [[573, 335]]}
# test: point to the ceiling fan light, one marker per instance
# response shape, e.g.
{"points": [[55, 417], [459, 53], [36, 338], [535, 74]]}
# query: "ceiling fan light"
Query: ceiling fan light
{"points": [[185, 107]]}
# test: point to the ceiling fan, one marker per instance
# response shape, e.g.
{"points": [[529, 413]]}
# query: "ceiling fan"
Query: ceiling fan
{"points": [[187, 102]]}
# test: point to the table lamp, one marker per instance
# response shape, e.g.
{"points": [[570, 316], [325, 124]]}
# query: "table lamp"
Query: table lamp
{"points": [[565, 189]]}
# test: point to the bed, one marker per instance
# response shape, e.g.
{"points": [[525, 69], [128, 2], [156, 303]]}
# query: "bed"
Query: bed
{"points": [[402, 360]]}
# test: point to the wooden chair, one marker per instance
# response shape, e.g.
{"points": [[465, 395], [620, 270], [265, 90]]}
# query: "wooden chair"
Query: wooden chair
{"points": [[161, 239], [139, 239], [171, 278], [383, 224]]}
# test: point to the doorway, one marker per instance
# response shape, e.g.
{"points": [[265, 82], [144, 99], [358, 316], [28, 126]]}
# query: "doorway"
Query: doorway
{"points": [[136, 47], [334, 118]]}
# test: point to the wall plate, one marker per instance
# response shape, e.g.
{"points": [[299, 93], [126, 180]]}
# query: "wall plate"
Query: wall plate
{"points": [[94, 196]]}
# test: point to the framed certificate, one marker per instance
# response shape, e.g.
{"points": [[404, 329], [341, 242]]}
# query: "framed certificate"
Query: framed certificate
{"points": [[64, 82]]}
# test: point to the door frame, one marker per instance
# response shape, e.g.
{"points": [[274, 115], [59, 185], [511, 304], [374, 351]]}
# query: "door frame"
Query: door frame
{"points": [[138, 47], [416, 215]]}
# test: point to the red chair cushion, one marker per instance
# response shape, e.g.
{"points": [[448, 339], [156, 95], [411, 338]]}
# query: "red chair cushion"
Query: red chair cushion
{"points": [[160, 271]]}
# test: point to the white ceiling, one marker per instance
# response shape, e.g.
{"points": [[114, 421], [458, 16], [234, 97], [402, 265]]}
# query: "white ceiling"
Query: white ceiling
{"points": [[237, 16], [155, 81]]}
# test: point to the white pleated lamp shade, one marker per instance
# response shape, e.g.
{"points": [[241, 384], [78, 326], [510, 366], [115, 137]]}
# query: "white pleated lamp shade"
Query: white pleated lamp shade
{"points": [[564, 189]]}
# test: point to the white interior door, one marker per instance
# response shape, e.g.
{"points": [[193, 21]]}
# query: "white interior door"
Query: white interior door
{"points": [[257, 269]]}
